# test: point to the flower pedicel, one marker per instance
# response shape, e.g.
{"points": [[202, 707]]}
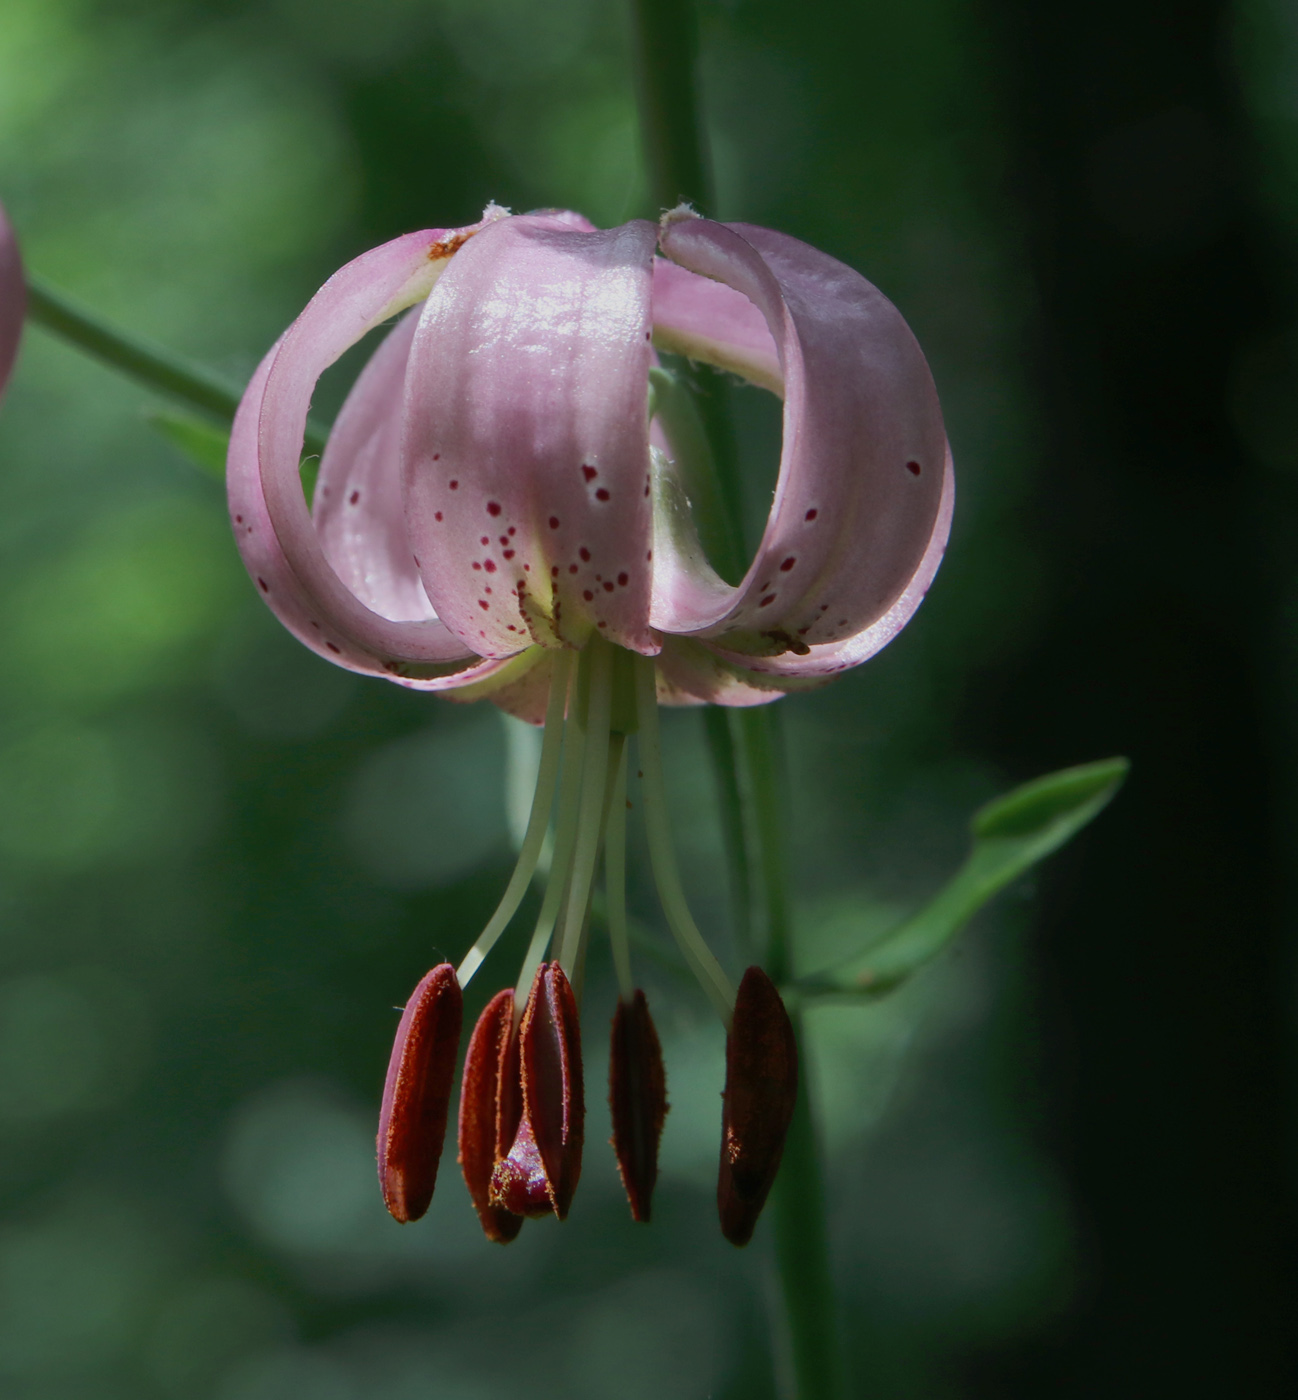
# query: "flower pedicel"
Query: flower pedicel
{"points": [[499, 514]]}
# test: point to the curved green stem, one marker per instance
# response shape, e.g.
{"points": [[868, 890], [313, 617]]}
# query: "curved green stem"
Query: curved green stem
{"points": [[141, 360]]}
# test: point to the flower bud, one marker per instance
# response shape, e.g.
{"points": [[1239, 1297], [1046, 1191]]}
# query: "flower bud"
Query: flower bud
{"points": [[490, 1106], [637, 1097], [417, 1094], [540, 1171], [761, 1088]]}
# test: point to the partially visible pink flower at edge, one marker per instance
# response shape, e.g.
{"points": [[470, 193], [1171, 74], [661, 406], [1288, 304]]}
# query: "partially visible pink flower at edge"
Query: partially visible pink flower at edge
{"points": [[13, 299]]}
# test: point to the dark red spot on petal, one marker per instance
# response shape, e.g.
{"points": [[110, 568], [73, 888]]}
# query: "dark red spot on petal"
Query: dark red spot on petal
{"points": [[554, 571], [484, 605], [788, 564], [589, 473], [438, 515], [238, 520], [454, 485], [509, 553], [811, 514], [585, 554], [623, 579], [601, 494], [354, 497], [608, 588], [493, 507], [572, 568], [554, 522], [913, 468], [477, 566], [588, 595], [770, 598], [263, 585], [333, 649], [486, 539], [489, 565], [437, 456]]}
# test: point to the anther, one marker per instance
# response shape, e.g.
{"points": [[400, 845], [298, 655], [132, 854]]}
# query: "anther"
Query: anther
{"points": [[637, 1096], [761, 1088], [417, 1094], [490, 1107]]}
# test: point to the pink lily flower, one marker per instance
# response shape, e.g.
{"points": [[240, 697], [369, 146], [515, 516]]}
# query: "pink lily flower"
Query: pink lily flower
{"points": [[497, 514], [13, 299]]}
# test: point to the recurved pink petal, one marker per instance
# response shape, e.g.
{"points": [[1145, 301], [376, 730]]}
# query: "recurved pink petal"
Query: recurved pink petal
{"points": [[823, 662], [356, 299], [861, 484], [284, 592], [13, 299], [709, 321], [358, 509], [417, 1094], [526, 454]]}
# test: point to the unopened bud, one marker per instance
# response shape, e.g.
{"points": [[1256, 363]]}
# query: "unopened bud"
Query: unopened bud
{"points": [[637, 1096], [417, 1094], [761, 1088], [490, 1105]]}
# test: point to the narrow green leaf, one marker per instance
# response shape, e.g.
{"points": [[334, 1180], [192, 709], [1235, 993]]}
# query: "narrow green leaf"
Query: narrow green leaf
{"points": [[206, 445], [203, 443], [1010, 835]]}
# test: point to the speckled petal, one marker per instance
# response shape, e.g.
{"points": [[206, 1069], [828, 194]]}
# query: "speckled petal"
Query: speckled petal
{"points": [[824, 662], [356, 299], [13, 299], [358, 509], [858, 502], [526, 459]]}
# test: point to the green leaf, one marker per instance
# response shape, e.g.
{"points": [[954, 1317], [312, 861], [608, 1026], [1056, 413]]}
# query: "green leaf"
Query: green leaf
{"points": [[1010, 835], [203, 443], [206, 445]]}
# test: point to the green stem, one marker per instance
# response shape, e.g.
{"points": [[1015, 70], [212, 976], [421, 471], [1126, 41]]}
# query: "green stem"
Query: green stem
{"points": [[149, 364], [666, 52], [804, 1279], [747, 765], [803, 1276]]}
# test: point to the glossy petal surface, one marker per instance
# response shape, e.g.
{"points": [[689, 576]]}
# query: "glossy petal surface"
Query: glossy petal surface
{"points": [[417, 1094], [265, 447], [527, 436]]}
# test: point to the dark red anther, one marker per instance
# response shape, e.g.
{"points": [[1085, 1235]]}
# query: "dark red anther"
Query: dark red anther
{"points": [[761, 1088], [637, 1096], [417, 1094], [540, 1171], [491, 1102]]}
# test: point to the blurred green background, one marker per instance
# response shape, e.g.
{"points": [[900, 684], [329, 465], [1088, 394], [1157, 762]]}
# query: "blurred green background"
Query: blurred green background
{"points": [[1061, 1161]]}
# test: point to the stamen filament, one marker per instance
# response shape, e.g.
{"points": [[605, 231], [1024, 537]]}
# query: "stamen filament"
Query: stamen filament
{"points": [[615, 871], [537, 823], [565, 836], [590, 825], [662, 856]]}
